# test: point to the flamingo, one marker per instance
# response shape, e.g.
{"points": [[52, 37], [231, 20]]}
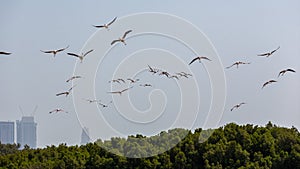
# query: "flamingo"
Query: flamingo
{"points": [[199, 58], [237, 64], [268, 53], [116, 81], [184, 74], [165, 73], [133, 80], [121, 91], [152, 70], [104, 105], [54, 52], [281, 73], [121, 39], [66, 92], [92, 101], [237, 106], [57, 110], [146, 85], [72, 78], [268, 82], [106, 25], [82, 56]]}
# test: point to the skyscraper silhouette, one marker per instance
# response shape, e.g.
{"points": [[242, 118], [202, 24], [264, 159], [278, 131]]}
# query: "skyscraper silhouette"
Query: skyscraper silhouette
{"points": [[85, 138], [7, 132], [26, 131]]}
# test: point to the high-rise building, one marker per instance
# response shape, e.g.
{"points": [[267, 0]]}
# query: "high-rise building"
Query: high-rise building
{"points": [[26, 131], [85, 138], [7, 134]]}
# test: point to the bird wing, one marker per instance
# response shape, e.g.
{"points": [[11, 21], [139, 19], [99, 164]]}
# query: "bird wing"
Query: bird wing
{"points": [[73, 54], [48, 51], [203, 57], [194, 60], [126, 89], [265, 84], [72, 88], [69, 79], [5, 53], [112, 21], [125, 34], [230, 66], [281, 72], [233, 107], [62, 49], [150, 68], [88, 52], [275, 50], [122, 80], [98, 26], [263, 54], [114, 92], [62, 93], [114, 41], [290, 70], [131, 80]]}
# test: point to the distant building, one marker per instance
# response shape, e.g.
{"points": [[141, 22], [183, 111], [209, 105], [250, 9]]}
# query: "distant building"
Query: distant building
{"points": [[26, 131], [85, 138], [7, 134]]}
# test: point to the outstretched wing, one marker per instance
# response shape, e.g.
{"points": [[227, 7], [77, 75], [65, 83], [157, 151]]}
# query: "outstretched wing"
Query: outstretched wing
{"points": [[69, 79], [203, 57], [88, 52], [5, 53], [114, 41], [73, 54], [230, 66], [72, 88], [48, 51], [62, 49], [116, 92], [112, 21], [98, 26], [275, 50], [263, 54], [150, 68], [125, 34], [126, 89], [281, 72], [290, 70], [122, 80], [62, 93], [233, 108], [194, 60]]}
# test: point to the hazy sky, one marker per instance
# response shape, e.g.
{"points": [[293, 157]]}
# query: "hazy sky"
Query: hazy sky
{"points": [[237, 30]]}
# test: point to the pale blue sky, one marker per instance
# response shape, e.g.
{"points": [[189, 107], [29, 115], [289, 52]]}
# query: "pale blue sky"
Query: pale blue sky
{"points": [[238, 30]]}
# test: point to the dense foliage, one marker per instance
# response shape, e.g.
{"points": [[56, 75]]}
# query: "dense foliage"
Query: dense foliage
{"points": [[231, 146]]}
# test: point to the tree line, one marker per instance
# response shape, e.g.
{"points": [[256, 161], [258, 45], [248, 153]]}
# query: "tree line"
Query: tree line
{"points": [[231, 146]]}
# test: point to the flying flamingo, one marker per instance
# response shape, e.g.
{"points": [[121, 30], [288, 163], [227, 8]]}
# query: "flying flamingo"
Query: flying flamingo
{"points": [[106, 25], [121, 39]]}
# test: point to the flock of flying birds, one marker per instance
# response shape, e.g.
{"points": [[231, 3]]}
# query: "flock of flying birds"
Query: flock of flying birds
{"points": [[152, 70], [267, 54]]}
